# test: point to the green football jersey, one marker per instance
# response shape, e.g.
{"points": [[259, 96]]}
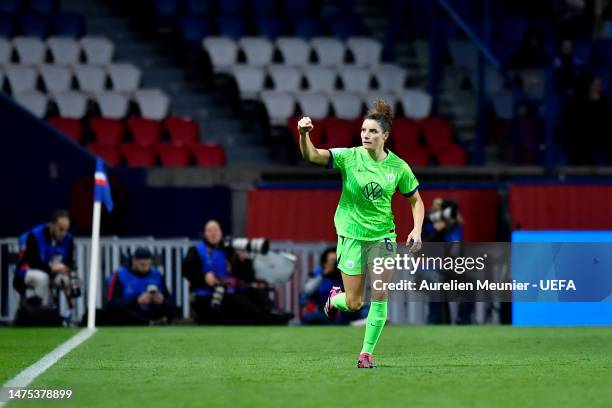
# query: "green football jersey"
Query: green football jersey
{"points": [[364, 210]]}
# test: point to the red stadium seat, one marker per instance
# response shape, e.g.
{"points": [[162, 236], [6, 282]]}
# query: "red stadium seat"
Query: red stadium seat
{"points": [[109, 154], [208, 155], [108, 132], [454, 155], [138, 156], [438, 132], [405, 133], [414, 156], [68, 126], [182, 131], [315, 135], [145, 132], [173, 156], [339, 132]]}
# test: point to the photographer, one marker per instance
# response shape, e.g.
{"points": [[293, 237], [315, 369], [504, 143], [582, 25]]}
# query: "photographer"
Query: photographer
{"points": [[218, 296], [137, 295]]}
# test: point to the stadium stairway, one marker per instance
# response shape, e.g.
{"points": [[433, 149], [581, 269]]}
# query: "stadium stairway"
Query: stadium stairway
{"points": [[189, 96]]}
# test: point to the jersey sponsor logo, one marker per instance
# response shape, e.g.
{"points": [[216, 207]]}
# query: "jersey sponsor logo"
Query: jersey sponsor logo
{"points": [[390, 177], [350, 264], [372, 191]]}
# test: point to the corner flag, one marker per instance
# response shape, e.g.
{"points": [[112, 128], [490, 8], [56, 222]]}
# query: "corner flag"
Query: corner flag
{"points": [[102, 192]]}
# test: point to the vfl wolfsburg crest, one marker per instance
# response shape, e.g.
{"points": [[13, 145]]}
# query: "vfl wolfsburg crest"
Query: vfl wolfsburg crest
{"points": [[372, 191]]}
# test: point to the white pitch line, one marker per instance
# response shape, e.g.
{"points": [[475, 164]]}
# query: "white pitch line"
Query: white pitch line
{"points": [[25, 378]]}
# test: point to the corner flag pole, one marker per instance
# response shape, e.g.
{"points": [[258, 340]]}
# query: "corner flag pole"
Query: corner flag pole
{"points": [[94, 266]]}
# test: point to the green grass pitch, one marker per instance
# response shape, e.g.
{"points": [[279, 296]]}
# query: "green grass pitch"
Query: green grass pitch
{"points": [[315, 367]]}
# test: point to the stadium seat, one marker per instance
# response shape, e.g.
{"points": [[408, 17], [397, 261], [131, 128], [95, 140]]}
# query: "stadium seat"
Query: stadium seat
{"points": [[390, 78], [109, 154], [20, 78], [271, 27], [299, 8], [124, 77], [56, 78], [182, 131], [6, 49], [437, 132], [44, 6], [71, 104], [145, 132], [346, 105], [112, 105], [1, 78], [30, 50], [232, 7], [320, 79], [90, 78], [258, 51], [10, 6], [70, 127], [7, 25], [173, 156], [97, 50], [355, 79], [286, 79], [313, 104], [503, 104], [64, 51], [307, 27], [68, 25], [371, 96], [414, 156], [223, 52], [138, 156], [153, 103], [279, 105], [339, 132], [166, 9], [264, 8], [345, 26], [35, 102], [33, 25], [329, 51], [463, 53], [451, 156], [295, 51], [193, 30], [208, 155], [107, 132], [404, 133], [198, 7], [232, 27], [416, 103], [366, 51], [250, 80]]}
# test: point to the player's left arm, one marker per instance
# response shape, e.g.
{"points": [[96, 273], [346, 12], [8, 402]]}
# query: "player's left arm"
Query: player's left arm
{"points": [[418, 214]]}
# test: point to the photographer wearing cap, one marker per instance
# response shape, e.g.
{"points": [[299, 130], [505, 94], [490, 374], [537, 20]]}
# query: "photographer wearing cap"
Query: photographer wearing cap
{"points": [[137, 295]]}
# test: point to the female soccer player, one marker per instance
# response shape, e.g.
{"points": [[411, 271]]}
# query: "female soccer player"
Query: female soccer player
{"points": [[370, 176]]}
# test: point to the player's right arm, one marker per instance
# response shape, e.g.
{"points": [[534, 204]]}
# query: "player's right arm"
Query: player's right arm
{"points": [[309, 152]]}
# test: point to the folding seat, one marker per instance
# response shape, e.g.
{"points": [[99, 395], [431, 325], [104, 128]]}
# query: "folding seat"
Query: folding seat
{"points": [[437, 132], [295, 51], [56, 78], [307, 27], [44, 6], [232, 7], [21, 78], [330, 51], [279, 105], [30, 50], [35, 102], [64, 51], [223, 52], [34, 25], [70, 127], [414, 156], [316, 135], [182, 131], [463, 53], [454, 155], [259, 51], [208, 155], [320, 79], [416, 103], [153, 103], [145, 132], [71, 104], [68, 25], [339, 132], [112, 105], [232, 27], [344, 27], [109, 154], [90, 78], [7, 25], [97, 50], [138, 156], [107, 132], [193, 30], [313, 104], [173, 156], [404, 133], [250, 80], [366, 51], [390, 78], [355, 79], [6, 49], [286, 79], [271, 27], [198, 7], [124, 77], [346, 105], [10, 6]]}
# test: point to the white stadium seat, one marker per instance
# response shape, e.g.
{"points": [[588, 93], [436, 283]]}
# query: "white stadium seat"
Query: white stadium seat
{"points": [[71, 104], [30, 50], [113, 105], [355, 79], [56, 78], [371, 96], [91, 78], [390, 78], [124, 77], [280, 106], [64, 51], [223, 52], [33, 101], [6, 50], [250, 80], [346, 105], [258, 50], [286, 79], [330, 51], [313, 104], [98, 50], [21, 78], [320, 79], [366, 51], [416, 103], [294, 50], [153, 103]]}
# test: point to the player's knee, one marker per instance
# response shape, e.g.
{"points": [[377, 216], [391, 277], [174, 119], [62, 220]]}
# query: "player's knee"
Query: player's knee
{"points": [[354, 304]]}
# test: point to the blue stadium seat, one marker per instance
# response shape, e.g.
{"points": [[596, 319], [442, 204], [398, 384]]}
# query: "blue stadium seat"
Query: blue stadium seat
{"points": [[232, 7], [9, 6], [299, 8], [234, 27], [345, 27], [198, 7], [44, 6], [264, 8], [308, 27], [272, 27], [7, 29], [34, 25], [68, 25], [165, 8], [193, 30]]}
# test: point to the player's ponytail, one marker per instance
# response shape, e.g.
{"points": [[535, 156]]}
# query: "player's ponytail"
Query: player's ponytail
{"points": [[381, 112]]}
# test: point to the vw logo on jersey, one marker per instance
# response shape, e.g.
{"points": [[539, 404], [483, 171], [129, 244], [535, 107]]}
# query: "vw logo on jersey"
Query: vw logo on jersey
{"points": [[390, 177], [350, 264], [372, 191]]}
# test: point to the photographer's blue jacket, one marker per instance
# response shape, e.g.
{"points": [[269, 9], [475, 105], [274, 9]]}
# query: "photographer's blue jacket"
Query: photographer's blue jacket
{"points": [[126, 285], [38, 249]]}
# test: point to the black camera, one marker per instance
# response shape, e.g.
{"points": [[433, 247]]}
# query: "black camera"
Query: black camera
{"points": [[254, 245], [217, 297], [75, 284]]}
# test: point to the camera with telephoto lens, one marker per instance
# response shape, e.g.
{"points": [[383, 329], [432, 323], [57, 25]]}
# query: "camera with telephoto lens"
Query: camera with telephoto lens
{"points": [[217, 297], [74, 284], [253, 245], [448, 212]]}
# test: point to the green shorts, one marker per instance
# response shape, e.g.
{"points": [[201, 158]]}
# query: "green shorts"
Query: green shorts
{"points": [[355, 255]]}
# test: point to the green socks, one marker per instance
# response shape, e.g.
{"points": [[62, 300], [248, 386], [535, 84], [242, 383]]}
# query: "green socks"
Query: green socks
{"points": [[377, 316], [339, 302]]}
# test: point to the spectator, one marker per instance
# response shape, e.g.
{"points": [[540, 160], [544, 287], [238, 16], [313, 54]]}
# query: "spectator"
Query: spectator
{"points": [[566, 67], [137, 295], [530, 53]]}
